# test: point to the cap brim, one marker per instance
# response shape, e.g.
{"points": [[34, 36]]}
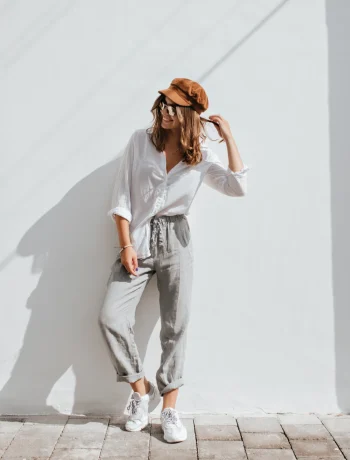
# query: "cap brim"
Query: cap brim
{"points": [[174, 96]]}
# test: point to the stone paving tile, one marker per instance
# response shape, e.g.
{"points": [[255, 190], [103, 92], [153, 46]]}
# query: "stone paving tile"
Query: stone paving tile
{"points": [[306, 432], [259, 425], [270, 454], [337, 425], [76, 454], [265, 441], [21, 457], [34, 440], [82, 440], [214, 420], [327, 416], [316, 448], [80, 433], [7, 426], [159, 444], [343, 440], [140, 456], [188, 423], [299, 419], [119, 442], [190, 454], [88, 421], [221, 450], [218, 433], [5, 441], [346, 453]]}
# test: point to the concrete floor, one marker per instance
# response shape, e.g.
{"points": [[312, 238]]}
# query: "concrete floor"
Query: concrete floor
{"points": [[268, 437]]}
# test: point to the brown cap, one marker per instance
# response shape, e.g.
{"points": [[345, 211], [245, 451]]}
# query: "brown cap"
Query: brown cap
{"points": [[188, 93]]}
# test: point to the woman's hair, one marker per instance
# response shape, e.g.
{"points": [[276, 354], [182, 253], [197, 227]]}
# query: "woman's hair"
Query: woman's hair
{"points": [[192, 131]]}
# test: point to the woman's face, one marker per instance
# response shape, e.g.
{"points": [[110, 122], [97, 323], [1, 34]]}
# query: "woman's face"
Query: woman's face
{"points": [[169, 122]]}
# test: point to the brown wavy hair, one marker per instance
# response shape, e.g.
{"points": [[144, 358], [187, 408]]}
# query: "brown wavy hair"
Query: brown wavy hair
{"points": [[192, 131]]}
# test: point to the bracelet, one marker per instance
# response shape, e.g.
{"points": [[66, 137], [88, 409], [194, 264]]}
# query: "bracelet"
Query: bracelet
{"points": [[122, 249]]}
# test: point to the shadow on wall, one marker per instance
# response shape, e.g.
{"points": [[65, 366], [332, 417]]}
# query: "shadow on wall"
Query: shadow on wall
{"points": [[338, 22], [73, 248]]}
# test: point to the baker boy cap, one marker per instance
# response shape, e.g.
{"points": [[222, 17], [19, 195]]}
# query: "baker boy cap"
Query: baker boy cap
{"points": [[186, 92]]}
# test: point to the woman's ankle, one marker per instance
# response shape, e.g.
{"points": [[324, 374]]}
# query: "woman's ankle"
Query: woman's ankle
{"points": [[143, 386], [147, 385]]}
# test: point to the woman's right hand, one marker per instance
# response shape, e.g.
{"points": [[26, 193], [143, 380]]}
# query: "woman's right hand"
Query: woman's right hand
{"points": [[128, 258]]}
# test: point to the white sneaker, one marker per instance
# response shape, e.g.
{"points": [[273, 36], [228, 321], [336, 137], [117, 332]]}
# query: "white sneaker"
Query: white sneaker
{"points": [[138, 409], [174, 430]]}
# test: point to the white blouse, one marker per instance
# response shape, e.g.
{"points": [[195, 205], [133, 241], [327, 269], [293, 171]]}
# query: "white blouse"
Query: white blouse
{"points": [[143, 188]]}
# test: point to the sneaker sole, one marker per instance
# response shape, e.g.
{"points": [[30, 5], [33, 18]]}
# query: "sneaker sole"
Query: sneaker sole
{"points": [[137, 429], [178, 440]]}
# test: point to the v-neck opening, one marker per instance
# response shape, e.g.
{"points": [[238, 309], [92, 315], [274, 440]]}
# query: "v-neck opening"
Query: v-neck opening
{"points": [[168, 172]]}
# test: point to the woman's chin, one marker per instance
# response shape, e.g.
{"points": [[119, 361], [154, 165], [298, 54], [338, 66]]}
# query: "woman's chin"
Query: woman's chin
{"points": [[167, 125]]}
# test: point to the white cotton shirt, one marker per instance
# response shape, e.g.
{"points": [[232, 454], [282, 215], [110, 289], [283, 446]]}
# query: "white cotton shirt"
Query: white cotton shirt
{"points": [[143, 188]]}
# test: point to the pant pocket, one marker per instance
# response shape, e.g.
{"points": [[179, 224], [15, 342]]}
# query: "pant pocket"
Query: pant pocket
{"points": [[181, 237]]}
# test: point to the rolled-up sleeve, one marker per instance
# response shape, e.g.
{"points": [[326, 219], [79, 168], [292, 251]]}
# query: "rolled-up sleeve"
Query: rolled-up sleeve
{"points": [[224, 180], [121, 196]]}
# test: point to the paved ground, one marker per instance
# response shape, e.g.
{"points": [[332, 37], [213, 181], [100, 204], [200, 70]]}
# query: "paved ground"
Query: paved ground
{"points": [[270, 437]]}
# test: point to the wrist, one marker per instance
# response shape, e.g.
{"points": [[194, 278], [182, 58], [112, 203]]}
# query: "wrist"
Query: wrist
{"points": [[123, 248], [229, 139]]}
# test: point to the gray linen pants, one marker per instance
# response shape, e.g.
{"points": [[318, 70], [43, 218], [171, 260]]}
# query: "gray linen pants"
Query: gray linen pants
{"points": [[172, 260]]}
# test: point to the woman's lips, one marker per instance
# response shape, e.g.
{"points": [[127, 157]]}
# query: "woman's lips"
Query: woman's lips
{"points": [[167, 119]]}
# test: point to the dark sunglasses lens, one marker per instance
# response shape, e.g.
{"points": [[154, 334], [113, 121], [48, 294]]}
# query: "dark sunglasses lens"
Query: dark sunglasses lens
{"points": [[170, 108]]}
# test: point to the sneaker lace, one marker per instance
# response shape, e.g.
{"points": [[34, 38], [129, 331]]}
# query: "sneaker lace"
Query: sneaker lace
{"points": [[171, 417], [133, 406]]}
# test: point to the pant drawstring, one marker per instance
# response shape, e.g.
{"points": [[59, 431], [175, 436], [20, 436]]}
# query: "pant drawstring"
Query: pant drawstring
{"points": [[157, 229], [167, 236]]}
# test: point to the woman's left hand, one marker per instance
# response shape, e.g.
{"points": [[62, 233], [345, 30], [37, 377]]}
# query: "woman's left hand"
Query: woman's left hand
{"points": [[223, 129]]}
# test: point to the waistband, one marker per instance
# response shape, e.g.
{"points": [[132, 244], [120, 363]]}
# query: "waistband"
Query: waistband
{"points": [[168, 218], [159, 229]]}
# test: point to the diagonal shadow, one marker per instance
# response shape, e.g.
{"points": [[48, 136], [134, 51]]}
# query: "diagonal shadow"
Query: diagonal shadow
{"points": [[30, 42], [32, 26], [200, 36], [241, 42], [87, 96]]}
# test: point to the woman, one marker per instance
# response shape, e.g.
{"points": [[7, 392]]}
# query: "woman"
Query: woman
{"points": [[161, 171]]}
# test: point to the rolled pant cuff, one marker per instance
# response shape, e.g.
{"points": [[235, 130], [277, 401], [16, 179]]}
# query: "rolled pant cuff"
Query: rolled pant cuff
{"points": [[131, 377], [172, 386]]}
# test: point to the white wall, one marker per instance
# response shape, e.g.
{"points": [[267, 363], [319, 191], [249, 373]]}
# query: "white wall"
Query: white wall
{"points": [[266, 332]]}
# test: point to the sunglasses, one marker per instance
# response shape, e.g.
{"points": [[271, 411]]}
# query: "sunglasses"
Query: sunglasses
{"points": [[171, 109]]}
